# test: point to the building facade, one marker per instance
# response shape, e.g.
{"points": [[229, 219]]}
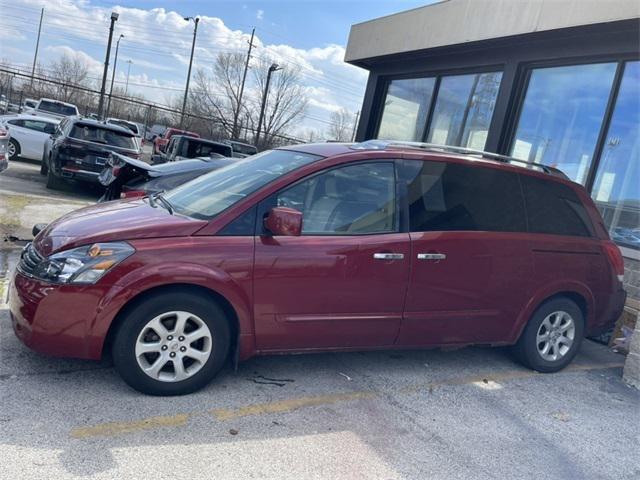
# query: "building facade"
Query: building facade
{"points": [[555, 82]]}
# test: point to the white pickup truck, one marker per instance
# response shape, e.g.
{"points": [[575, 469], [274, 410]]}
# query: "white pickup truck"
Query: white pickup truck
{"points": [[48, 107]]}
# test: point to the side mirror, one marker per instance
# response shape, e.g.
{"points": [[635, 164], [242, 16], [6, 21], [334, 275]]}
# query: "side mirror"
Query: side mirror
{"points": [[284, 221]]}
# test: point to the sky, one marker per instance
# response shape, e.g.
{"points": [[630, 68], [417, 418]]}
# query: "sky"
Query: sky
{"points": [[304, 34]]}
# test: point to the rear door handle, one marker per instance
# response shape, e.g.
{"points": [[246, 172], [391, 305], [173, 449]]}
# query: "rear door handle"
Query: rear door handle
{"points": [[432, 256], [388, 256]]}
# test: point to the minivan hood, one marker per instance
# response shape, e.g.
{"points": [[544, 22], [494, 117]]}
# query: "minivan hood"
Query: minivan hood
{"points": [[111, 221]]}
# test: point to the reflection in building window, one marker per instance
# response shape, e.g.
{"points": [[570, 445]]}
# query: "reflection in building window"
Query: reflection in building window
{"points": [[405, 109], [562, 115], [463, 110], [616, 189]]}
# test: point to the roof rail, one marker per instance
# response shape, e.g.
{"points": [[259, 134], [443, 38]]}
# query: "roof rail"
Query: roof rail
{"points": [[384, 144]]}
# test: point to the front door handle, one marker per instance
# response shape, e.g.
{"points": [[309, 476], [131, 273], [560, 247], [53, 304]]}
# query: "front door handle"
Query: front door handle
{"points": [[432, 256], [388, 256]]}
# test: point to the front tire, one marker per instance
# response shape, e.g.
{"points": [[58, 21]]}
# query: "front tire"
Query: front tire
{"points": [[552, 338], [171, 344]]}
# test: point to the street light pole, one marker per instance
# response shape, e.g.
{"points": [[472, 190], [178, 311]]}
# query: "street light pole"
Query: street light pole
{"points": [[113, 74], [234, 132], [126, 85], [193, 46], [114, 18], [35, 56], [273, 68]]}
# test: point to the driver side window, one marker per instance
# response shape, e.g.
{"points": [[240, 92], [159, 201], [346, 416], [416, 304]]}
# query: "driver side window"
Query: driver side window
{"points": [[351, 200]]}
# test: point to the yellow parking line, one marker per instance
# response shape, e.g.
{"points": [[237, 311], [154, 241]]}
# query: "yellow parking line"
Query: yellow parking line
{"points": [[285, 406], [115, 428], [288, 405]]}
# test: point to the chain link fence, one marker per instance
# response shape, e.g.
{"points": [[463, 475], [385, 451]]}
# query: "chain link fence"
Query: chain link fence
{"points": [[18, 88]]}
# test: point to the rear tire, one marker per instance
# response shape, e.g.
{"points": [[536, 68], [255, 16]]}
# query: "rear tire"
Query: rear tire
{"points": [[44, 168], [14, 149], [552, 337], [154, 336], [53, 182]]}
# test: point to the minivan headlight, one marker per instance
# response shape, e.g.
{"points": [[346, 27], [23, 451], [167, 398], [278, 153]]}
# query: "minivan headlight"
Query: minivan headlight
{"points": [[83, 264]]}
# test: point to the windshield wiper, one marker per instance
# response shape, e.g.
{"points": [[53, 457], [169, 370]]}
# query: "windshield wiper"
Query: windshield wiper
{"points": [[165, 203]]}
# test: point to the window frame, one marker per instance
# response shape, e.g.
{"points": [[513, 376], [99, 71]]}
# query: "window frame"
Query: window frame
{"points": [[400, 220], [437, 75]]}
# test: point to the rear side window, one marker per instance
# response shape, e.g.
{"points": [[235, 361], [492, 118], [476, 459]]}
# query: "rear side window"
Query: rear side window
{"points": [[554, 208], [58, 108], [91, 133], [453, 197]]}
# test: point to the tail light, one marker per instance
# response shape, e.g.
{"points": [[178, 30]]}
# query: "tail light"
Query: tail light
{"points": [[615, 258], [133, 194]]}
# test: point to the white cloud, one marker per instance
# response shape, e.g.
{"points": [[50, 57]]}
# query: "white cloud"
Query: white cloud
{"points": [[158, 41]]}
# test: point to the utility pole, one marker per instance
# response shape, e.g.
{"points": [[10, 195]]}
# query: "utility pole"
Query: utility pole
{"points": [[355, 126], [126, 85], [35, 57], [114, 18], [193, 46], [113, 74], [273, 68], [234, 131]]}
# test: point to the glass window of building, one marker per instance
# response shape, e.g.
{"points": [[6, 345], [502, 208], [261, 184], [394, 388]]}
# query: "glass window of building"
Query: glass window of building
{"points": [[463, 110], [562, 115], [405, 110], [616, 189]]}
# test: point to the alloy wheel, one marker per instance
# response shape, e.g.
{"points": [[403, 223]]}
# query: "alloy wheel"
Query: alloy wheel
{"points": [[555, 336], [173, 346]]}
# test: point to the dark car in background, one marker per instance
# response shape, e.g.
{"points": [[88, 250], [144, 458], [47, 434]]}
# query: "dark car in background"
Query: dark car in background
{"points": [[80, 147], [182, 147], [125, 177]]}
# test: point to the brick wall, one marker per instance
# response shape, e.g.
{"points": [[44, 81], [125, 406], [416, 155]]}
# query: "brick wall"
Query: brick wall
{"points": [[632, 278], [632, 286]]}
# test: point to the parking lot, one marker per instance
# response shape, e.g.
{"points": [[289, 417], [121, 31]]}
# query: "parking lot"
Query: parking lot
{"points": [[468, 413]]}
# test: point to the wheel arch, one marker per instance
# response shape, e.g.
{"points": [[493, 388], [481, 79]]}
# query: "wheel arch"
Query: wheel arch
{"points": [[218, 298], [577, 293]]}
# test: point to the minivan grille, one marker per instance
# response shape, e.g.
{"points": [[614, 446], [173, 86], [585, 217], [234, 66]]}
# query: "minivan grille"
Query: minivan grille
{"points": [[29, 259]]}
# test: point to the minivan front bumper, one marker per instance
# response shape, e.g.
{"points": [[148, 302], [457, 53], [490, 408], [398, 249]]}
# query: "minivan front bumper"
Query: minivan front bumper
{"points": [[55, 319]]}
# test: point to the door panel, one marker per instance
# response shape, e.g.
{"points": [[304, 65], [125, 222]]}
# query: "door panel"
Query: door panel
{"points": [[329, 291], [474, 295], [343, 282]]}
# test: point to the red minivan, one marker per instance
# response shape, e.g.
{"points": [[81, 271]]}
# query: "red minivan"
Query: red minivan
{"points": [[325, 247]]}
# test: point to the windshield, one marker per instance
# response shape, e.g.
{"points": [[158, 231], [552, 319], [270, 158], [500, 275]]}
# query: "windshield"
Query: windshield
{"points": [[92, 133], [207, 196], [58, 108]]}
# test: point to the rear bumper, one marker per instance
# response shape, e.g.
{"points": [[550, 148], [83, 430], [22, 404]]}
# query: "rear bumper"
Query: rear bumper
{"points": [[610, 315], [78, 173]]}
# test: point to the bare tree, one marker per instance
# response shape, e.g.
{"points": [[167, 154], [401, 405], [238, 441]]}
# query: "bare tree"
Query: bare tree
{"points": [[69, 71], [286, 100], [341, 126], [216, 95]]}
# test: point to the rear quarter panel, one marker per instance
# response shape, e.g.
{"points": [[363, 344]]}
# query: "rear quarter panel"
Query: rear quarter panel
{"points": [[568, 264]]}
